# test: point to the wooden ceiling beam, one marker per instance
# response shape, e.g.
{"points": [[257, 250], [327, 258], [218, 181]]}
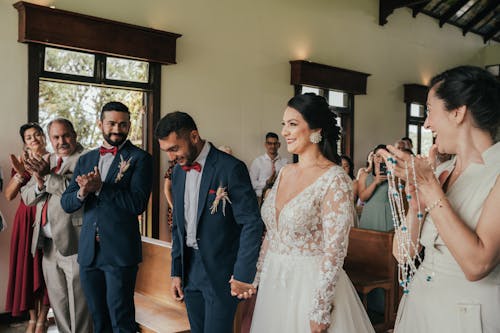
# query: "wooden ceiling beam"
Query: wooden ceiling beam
{"points": [[415, 9], [492, 32], [451, 11], [492, 4], [386, 7]]}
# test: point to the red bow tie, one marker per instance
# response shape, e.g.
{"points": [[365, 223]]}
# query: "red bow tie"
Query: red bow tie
{"points": [[195, 166], [104, 150]]}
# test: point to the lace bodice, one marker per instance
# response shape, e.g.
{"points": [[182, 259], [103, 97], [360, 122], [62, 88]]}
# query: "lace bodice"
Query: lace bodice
{"points": [[316, 222]]}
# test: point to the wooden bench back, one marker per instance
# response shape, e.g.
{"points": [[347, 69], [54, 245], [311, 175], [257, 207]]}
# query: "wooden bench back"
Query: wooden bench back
{"points": [[370, 252], [153, 277]]}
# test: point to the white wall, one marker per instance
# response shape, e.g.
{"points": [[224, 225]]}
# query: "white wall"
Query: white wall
{"points": [[233, 73]]}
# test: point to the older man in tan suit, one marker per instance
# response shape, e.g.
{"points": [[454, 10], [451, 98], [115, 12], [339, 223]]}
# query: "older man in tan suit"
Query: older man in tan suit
{"points": [[55, 231]]}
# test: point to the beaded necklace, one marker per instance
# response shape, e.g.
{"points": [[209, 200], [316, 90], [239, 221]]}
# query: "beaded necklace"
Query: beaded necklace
{"points": [[407, 262]]}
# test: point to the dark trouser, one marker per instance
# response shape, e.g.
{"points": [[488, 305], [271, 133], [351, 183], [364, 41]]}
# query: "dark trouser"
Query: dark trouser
{"points": [[208, 311], [109, 291]]}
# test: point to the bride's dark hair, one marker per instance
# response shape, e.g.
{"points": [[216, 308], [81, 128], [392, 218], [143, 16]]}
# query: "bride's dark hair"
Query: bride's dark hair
{"points": [[316, 112]]}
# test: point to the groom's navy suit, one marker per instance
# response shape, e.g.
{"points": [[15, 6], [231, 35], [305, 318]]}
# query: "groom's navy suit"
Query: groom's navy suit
{"points": [[110, 243], [228, 241]]}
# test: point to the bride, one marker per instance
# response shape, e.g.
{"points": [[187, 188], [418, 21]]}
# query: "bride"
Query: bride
{"points": [[308, 215]]}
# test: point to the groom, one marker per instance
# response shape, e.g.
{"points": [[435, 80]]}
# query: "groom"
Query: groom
{"points": [[113, 184], [217, 228]]}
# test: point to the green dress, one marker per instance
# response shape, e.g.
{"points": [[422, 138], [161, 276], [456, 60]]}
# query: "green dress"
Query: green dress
{"points": [[376, 213]]}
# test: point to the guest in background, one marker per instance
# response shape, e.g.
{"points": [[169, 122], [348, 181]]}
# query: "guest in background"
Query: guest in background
{"points": [[111, 184], [56, 232], [403, 145], [167, 190], [348, 167], [408, 141], [265, 168], [26, 289], [226, 149], [373, 191], [3, 225]]}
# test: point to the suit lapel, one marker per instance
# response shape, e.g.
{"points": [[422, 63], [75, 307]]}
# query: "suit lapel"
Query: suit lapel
{"points": [[206, 180], [113, 169]]}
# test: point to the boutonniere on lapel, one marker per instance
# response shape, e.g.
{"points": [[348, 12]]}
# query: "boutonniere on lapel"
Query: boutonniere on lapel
{"points": [[122, 168], [220, 194]]}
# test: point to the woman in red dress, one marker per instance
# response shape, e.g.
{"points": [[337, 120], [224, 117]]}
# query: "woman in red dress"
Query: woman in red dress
{"points": [[26, 289]]}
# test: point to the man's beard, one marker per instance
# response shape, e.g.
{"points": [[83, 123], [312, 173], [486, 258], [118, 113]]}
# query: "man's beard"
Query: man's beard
{"points": [[107, 138], [192, 154]]}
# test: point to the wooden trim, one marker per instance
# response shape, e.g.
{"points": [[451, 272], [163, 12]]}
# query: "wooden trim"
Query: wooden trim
{"points": [[451, 11], [328, 77], [386, 7], [44, 25], [415, 93], [155, 105], [35, 63], [479, 16]]}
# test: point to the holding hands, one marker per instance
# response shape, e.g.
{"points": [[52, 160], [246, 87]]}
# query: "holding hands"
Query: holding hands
{"points": [[89, 183], [241, 290]]}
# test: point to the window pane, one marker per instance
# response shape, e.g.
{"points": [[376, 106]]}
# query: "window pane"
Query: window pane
{"points": [[337, 98], [413, 134], [81, 104], [127, 70], [426, 141], [341, 137], [306, 89], [68, 62], [417, 110]]}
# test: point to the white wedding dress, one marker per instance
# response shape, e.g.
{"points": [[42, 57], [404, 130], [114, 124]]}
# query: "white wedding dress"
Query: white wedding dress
{"points": [[300, 271]]}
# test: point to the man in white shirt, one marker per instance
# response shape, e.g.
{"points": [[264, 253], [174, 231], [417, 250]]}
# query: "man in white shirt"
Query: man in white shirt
{"points": [[265, 168]]}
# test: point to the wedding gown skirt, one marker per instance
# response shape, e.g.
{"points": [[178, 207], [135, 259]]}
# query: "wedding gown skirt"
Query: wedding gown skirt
{"points": [[286, 291]]}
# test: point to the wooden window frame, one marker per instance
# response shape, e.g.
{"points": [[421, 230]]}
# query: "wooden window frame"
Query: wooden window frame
{"points": [[41, 25], [324, 77], [415, 94]]}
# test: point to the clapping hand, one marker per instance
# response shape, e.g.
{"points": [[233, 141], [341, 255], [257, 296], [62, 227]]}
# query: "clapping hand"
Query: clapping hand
{"points": [[89, 183], [37, 165], [17, 164], [241, 290]]}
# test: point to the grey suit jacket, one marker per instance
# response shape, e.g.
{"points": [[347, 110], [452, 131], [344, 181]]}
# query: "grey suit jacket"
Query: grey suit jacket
{"points": [[65, 227]]}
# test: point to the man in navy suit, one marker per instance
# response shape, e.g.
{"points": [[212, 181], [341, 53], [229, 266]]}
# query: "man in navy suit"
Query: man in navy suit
{"points": [[113, 183], [217, 229]]}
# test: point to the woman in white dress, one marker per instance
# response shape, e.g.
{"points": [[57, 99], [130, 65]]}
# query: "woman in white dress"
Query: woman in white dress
{"points": [[308, 215], [457, 286]]}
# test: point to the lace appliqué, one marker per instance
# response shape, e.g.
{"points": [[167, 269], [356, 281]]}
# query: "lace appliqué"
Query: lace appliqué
{"points": [[314, 223]]}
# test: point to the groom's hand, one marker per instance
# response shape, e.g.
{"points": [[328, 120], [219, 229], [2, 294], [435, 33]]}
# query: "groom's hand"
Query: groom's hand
{"points": [[176, 289], [241, 290]]}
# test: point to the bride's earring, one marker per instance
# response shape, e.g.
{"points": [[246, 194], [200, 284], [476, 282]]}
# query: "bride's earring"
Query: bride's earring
{"points": [[315, 137]]}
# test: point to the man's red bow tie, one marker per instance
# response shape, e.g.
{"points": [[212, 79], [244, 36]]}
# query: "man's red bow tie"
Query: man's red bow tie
{"points": [[104, 150], [195, 166]]}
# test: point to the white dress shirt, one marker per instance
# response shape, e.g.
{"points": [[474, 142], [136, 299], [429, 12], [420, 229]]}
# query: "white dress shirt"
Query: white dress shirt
{"points": [[191, 195], [261, 170]]}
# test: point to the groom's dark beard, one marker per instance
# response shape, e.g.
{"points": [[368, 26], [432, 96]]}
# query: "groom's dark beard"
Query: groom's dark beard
{"points": [[115, 143], [192, 154]]}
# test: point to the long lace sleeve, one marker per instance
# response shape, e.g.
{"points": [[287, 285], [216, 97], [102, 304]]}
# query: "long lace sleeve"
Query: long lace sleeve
{"points": [[260, 261], [336, 219]]}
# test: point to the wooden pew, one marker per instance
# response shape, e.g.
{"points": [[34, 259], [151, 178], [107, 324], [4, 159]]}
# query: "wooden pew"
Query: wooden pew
{"points": [[369, 264], [155, 309]]}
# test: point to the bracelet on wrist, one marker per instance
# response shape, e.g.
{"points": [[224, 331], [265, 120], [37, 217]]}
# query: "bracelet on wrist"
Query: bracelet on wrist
{"points": [[438, 202], [18, 178]]}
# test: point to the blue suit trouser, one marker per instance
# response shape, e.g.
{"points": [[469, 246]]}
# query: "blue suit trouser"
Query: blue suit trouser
{"points": [[109, 291], [208, 311]]}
